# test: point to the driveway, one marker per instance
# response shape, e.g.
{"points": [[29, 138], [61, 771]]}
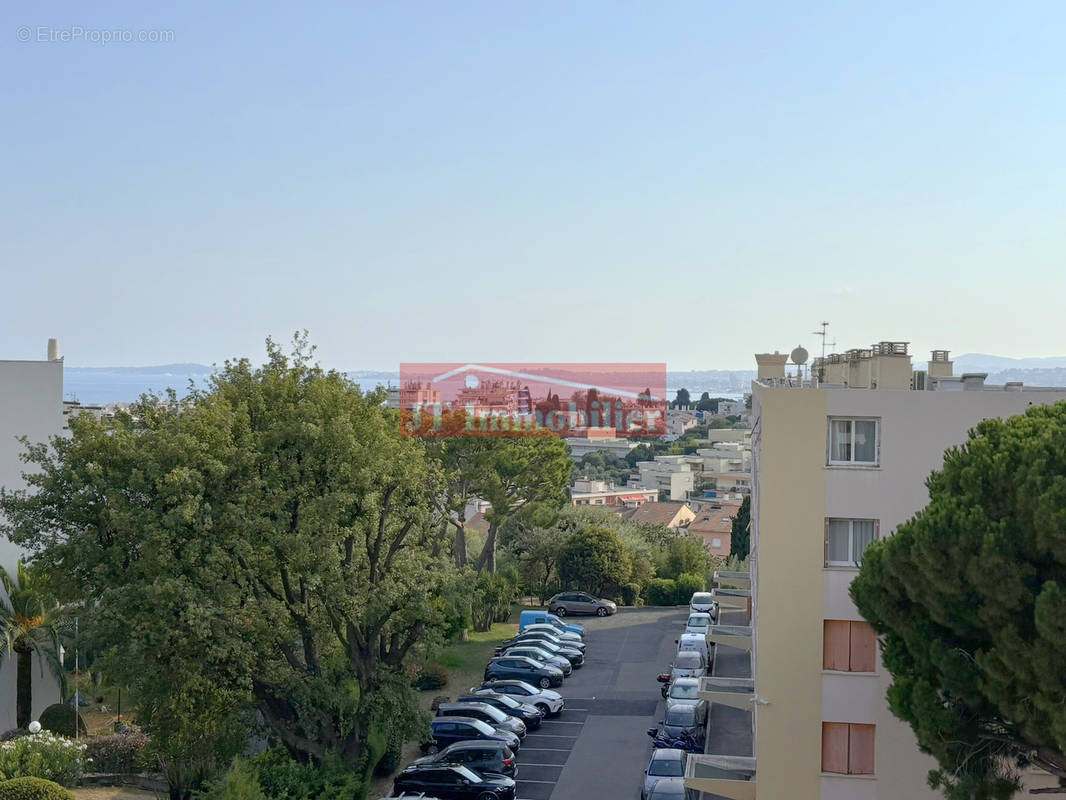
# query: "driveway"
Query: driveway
{"points": [[598, 747]]}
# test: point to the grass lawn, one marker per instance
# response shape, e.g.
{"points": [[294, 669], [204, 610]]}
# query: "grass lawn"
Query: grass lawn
{"points": [[111, 793], [465, 662]]}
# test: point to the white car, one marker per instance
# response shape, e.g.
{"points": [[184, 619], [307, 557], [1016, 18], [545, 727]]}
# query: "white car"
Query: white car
{"points": [[551, 703], [698, 623], [563, 636], [697, 642], [703, 602]]}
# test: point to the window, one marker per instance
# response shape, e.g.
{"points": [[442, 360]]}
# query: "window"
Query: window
{"points": [[853, 441], [847, 748], [848, 646], [716, 542], [847, 539]]}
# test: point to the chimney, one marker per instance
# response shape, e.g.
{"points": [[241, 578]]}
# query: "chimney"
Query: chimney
{"points": [[771, 365], [939, 364], [973, 381], [53, 350]]}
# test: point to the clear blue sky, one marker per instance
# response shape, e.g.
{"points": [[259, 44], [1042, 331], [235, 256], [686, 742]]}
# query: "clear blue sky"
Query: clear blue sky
{"points": [[681, 181]]}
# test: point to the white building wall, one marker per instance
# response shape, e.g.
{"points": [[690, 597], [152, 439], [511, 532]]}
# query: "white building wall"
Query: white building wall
{"points": [[916, 428], [31, 405]]}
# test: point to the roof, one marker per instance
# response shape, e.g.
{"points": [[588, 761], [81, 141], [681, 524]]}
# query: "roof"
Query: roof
{"points": [[664, 513], [715, 520]]}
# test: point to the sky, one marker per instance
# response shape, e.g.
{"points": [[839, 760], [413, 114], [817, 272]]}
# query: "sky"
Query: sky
{"points": [[688, 182]]}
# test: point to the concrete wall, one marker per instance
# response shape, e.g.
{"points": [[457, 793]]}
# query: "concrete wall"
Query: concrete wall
{"points": [[788, 529], [31, 404]]}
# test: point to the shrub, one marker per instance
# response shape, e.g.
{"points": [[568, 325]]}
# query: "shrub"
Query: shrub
{"points": [[661, 592], [61, 718], [33, 789], [431, 676], [687, 585], [13, 733], [239, 782], [630, 593], [393, 755], [282, 778], [42, 755], [122, 753]]}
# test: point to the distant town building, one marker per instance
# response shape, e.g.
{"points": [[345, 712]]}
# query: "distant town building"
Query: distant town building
{"points": [[413, 394], [713, 524], [599, 440], [729, 408], [669, 514], [587, 492], [669, 474]]}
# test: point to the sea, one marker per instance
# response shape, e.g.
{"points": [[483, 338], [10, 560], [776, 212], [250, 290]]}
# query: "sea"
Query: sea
{"points": [[101, 385]]}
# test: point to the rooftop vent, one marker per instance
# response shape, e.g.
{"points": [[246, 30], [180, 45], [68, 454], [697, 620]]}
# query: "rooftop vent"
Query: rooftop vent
{"points": [[973, 381]]}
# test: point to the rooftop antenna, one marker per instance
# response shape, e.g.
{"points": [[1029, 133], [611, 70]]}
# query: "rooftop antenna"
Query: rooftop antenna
{"points": [[824, 333]]}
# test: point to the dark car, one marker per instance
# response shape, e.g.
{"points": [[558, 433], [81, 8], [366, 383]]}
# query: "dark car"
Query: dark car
{"points": [[521, 668], [449, 730], [531, 650], [551, 703], [536, 637], [486, 713], [575, 655], [529, 714], [580, 603], [685, 719], [453, 782], [480, 756]]}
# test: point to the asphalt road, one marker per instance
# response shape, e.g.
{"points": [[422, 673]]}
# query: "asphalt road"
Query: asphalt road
{"points": [[598, 747]]}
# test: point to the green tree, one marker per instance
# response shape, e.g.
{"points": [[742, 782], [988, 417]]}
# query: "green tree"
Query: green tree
{"points": [[272, 536], [29, 626], [595, 560], [969, 599], [686, 554], [740, 541], [682, 398]]}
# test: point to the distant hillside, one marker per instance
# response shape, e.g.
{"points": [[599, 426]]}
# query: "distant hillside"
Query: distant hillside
{"points": [[161, 369], [980, 362], [1053, 376]]}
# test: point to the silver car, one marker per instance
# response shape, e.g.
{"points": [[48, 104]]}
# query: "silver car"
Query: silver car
{"points": [[684, 691], [665, 763], [688, 664], [580, 603]]}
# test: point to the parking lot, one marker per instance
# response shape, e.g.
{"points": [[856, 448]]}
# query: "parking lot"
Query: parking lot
{"points": [[598, 747]]}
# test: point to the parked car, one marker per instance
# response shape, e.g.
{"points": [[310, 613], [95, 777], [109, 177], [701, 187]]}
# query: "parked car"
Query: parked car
{"points": [[486, 713], [672, 789], [544, 636], [684, 691], [449, 730], [538, 617], [551, 703], [697, 642], [685, 718], [573, 656], [529, 714], [524, 669], [566, 603], [665, 763], [698, 622], [703, 602], [688, 664], [576, 639], [478, 755], [539, 654], [454, 782]]}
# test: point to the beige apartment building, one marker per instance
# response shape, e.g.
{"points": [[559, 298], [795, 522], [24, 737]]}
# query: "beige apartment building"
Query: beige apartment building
{"points": [[839, 459]]}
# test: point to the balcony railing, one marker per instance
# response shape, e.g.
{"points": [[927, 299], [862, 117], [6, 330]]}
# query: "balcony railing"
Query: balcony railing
{"points": [[738, 636], [732, 692], [728, 776], [741, 580], [732, 598]]}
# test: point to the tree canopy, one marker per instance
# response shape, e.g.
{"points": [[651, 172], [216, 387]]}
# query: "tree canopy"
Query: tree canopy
{"points": [[740, 540], [969, 598], [594, 559]]}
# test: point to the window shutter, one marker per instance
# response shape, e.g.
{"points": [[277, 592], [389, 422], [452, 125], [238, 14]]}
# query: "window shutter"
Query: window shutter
{"points": [[825, 559], [861, 749], [836, 644], [835, 747], [863, 647]]}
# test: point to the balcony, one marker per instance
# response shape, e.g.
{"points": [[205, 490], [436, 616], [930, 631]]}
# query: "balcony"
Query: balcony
{"points": [[725, 776], [732, 692], [738, 580], [738, 636], [736, 599]]}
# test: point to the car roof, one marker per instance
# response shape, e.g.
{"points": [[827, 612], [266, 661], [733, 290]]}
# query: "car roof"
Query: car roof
{"points": [[480, 744], [464, 704], [451, 720], [686, 681], [667, 754]]}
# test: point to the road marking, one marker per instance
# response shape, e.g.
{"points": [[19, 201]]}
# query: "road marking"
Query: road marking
{"points": [[572, 709], [546, 749], [550, 736], [557, 722], [526, 780], [531, 764]]}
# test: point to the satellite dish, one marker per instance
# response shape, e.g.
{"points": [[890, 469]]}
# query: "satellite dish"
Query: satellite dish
{"points": [[800, 355]]}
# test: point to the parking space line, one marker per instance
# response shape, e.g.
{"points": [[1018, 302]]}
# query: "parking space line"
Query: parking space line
{"points": [[560, 722], [550, 736], [531, 764], [546, 749], [527, 780]]}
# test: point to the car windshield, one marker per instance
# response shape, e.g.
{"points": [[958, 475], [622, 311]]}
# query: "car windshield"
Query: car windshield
{"points": [[683, 691], [698, 622], [494, 713], [507, 701], [556, 624], [469, 774], [689, 660], [483, 727], [666, 767], [701, 598], [681, 715]]}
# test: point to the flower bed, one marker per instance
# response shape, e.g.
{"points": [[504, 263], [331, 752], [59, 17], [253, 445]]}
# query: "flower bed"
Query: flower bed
{"points": [[42, 755]]}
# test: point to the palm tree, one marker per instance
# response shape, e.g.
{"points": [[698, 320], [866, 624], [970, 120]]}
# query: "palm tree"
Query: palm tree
{"points": [[29, 625]]}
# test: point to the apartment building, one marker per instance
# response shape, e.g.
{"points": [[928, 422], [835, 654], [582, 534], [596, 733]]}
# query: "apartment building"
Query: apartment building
{"points": [[586, 492], [670, 474], [31, 405], [836, 466]]}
